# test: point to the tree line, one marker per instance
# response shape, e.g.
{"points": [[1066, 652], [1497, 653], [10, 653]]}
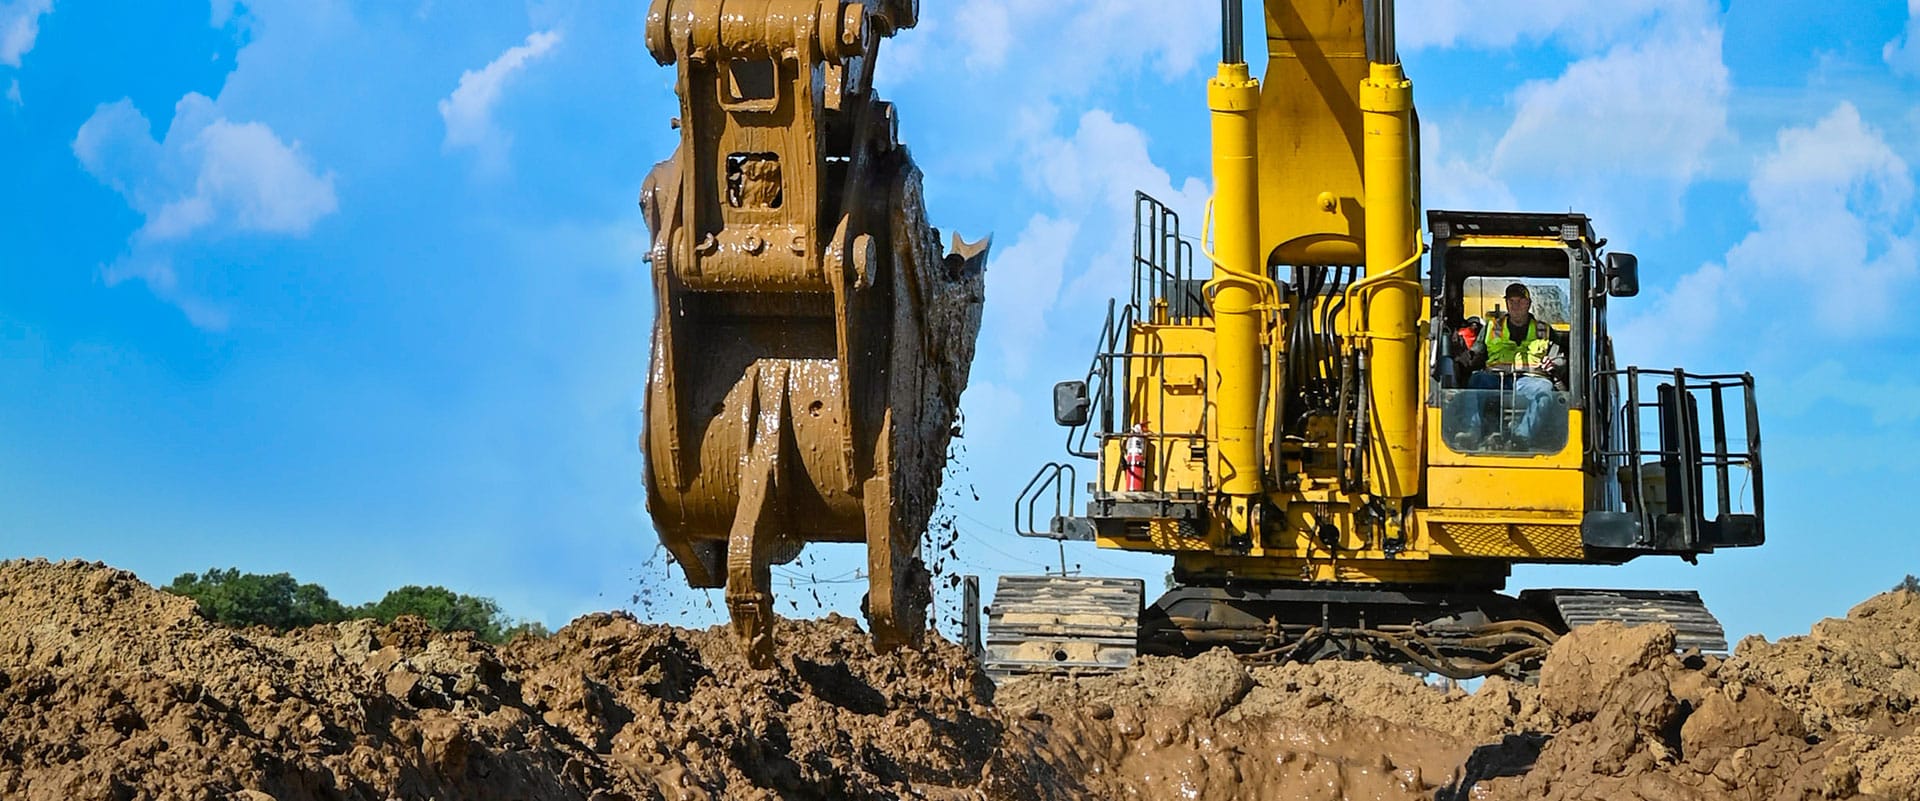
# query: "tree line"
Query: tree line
{"points": [[279, 602]]}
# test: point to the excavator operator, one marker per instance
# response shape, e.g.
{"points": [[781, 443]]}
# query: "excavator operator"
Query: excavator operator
{"points": [[1521, 355]]}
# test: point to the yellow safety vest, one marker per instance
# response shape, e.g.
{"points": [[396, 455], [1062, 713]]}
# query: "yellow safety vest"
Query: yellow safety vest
{"points": [[1526, 354]]}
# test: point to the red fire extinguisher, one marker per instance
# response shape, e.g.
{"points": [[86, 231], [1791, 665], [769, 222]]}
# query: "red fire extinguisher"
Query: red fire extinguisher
{"points": [[1133, 459]]}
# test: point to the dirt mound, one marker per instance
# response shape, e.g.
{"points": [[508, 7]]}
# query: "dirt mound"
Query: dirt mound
{"points": [[1828, 715], [110, 689], [1617, 715], [1209, 728]]}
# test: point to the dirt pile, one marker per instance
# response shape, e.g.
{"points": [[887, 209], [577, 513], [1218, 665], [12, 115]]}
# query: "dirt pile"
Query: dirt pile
{"points": [[1828, 715], [1616, 715], [1632, 720], [110, 689], [1209, 728]]}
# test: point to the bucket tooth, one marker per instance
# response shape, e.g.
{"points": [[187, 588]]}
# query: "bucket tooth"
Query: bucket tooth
{"points": [[899, 588], [758, 520]]}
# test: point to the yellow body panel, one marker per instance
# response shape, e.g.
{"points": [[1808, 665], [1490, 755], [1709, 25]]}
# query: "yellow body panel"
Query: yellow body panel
{"points": [[1162, 536], [1174, 465], [1538, 489], [1311, 191], [1169, 386], [1477, 513]]}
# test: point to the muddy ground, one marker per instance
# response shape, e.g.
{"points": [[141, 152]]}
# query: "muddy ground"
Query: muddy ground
{"points": [[110, 689]]}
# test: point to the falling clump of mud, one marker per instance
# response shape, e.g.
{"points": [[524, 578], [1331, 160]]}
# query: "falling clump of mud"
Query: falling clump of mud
{"points": [[110, 689]]}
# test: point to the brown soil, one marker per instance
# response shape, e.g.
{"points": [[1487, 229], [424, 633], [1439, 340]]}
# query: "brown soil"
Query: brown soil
{"points": [[110, 689]]}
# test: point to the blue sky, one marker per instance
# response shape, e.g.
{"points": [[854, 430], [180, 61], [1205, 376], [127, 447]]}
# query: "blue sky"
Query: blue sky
{"points": [[354, 290]]}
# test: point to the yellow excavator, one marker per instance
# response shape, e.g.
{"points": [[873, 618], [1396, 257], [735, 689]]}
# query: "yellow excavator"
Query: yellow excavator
{"points": [[1312, 426], [1344, 454]]}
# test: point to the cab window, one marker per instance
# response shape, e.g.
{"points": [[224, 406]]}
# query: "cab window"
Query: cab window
{"points": [[1515, 403]]}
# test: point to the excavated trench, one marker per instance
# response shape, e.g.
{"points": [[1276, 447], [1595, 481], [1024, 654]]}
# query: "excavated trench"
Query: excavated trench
{"points": [[110, 689]]}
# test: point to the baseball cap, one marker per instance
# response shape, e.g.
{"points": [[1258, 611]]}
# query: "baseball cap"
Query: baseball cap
{"points": [[1518, 290]]}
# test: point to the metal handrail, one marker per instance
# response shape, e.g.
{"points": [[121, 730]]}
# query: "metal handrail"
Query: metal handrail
{"points": [[1099, 381], [1065, 496], [1162, 260], [1683, 444]]}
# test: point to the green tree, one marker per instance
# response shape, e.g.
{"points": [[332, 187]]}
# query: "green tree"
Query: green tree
{"points": [[1911, 584], [443, 609], [278, 601], [251, 599], [530, 628]]}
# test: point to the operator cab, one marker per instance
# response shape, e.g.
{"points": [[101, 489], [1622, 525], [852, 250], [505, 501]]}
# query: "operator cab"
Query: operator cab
{"points": [[1669, 460], [1520, 406]]}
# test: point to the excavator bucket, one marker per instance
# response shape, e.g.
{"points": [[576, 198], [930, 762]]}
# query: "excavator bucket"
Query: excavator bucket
{"points": [[811, 335]]}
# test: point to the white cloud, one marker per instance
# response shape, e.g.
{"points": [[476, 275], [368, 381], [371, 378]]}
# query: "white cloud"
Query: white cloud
{"points": [[985, 29], [1025, 282], [209, 175], [1088, 179], [1616, 134], [1903, 53], [1499, 24], [1096, 173], [994, 413], [1034, 68], [1673, 326], [13, 92], [1103, 155], [1449, 180], [1833, 250], [1074, 42], [1079, 167], [1828, 203], [904, 55], [19, 27], [207, 172], [468, 112]]}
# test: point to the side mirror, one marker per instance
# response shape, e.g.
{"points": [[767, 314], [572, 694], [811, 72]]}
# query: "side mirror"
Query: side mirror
{"points": [[1070, 403], [1623, 275]]}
